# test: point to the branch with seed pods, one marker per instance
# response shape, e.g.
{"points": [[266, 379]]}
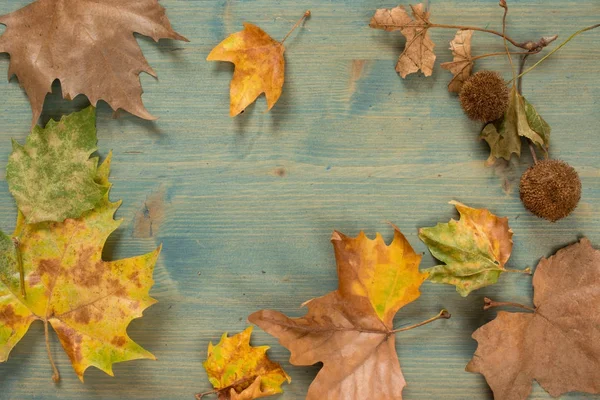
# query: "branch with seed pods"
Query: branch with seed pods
{"points": [[550, 189]]}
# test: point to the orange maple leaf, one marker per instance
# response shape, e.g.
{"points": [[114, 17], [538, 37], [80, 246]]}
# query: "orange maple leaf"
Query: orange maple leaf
{"points": [[350, 330], [259, 65]]}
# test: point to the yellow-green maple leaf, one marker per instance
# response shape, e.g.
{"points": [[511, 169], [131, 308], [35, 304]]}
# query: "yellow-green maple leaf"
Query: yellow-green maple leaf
{"points": [[474, 249], [239, 371], [89, 302]]}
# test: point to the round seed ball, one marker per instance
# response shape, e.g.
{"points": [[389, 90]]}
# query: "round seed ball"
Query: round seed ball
{"points": [[484, 96], [550, 189]]}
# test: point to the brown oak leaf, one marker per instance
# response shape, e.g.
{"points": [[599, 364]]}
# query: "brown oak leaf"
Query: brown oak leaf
{"points": [[557, 344], [89, 46], [418, 51], [462, 64], [350, 329]]}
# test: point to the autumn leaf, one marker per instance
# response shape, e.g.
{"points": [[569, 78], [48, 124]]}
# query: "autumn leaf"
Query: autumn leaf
{"points": [[474, 249], [520, 119], [418, 51], [259, 65], [556, 344], [239, 371], [462, 64], [52, 176], [89, 46], [350, 330], [88, 301]]}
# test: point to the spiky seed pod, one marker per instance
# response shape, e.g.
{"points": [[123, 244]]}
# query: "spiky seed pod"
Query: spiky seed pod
{"points": [[484, 96], [550, 189]]}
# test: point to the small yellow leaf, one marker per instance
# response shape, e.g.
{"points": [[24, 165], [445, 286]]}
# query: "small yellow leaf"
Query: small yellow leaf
{"points": [[259, 66], [239, 371]]}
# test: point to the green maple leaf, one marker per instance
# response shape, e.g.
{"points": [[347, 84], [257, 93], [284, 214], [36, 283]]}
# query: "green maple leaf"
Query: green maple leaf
{"points": [[52, 176], [474, 249]]}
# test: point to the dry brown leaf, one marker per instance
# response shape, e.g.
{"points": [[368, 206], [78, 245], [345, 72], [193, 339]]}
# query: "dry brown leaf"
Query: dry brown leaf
{"points": [[89, 46], [557, 345], [418, 51], [462, 64], [350, 329]]}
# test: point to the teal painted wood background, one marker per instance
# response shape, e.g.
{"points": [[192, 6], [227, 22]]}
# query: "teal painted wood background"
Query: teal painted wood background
{"points": [[245, 207]]}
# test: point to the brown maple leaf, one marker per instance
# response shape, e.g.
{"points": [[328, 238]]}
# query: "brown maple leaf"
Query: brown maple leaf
{"points": [[350, 329], [557, 344], [89, 46], [462, 64], [418, 52]]}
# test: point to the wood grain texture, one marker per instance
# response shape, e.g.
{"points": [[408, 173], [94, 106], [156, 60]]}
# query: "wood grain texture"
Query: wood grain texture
{"points": [[246, 206]]}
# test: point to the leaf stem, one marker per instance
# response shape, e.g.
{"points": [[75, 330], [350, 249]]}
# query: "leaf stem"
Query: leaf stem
{"points": [[306, 15], [589, 28], [489, 303], [242, 381], [17, 244], [526, 271], [56, 374], [443, 314]]}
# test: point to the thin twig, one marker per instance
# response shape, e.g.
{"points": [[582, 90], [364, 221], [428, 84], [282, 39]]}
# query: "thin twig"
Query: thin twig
{"points": [[474, 28], [56, 374], [443, 314], [505, 6], [489, 303], [502, 53], [589, 28], [306, 15]]}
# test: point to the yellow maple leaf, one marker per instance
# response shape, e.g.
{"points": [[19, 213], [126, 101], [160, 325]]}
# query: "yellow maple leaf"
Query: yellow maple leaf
{"points": [[239, 371], [88, 301], [259, 65]]}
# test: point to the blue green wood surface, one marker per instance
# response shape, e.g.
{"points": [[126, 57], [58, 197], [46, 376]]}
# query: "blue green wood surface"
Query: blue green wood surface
{"points": [[245, 207]]}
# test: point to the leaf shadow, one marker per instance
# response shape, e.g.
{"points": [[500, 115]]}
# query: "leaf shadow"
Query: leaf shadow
{"points": [[55, 106], [15, 368]]}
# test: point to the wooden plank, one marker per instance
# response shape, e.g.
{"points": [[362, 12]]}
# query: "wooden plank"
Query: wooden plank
{"points": [[247, 205]]}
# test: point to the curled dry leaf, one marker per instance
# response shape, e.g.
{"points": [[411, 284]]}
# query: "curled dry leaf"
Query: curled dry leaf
{"points": [[259, 66], [520, 119], [418, 52], [88, 301], [52, 176], [89, 46], [462, 64], [350, 329], [474, 249], [239, 371], [557, 345]]}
